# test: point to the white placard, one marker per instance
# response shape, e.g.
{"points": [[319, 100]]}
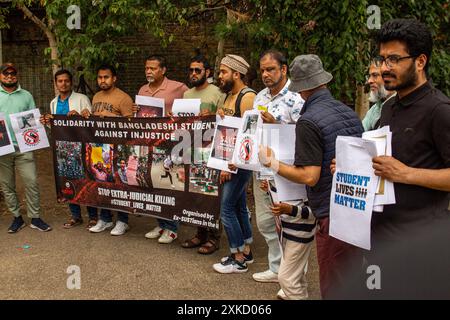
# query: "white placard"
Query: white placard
{"points": [[288, 190], [385, 190], [245, 154], [30, 133], [224, 142], [6, 144], [353, 191], [150, 107], [186, 107]]}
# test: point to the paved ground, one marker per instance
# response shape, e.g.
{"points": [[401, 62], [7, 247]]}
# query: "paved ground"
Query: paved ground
{"points": [[34, 264]]}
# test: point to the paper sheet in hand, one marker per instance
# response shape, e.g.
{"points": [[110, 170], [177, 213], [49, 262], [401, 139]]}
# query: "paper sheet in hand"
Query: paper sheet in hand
{"points": [[30, 133], [149, 107], [281, 139], [186, 107], [6, 144], [385, 190], [353, 192], [224, 143], [245, 154]]}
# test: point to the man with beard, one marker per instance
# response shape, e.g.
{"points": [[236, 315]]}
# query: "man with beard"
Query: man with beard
{"points": [[110, 101], [233, 207], [377, 95], [419, 118], [14, 99], [277, 105], [159, 86], [211, 97]]}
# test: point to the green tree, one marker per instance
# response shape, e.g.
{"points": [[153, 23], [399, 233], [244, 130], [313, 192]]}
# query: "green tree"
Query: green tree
{"points": [[103, 24], [336, 31]]}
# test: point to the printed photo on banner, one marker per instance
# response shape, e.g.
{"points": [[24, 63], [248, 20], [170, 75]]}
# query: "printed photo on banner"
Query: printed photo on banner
{"points": [[186, 107], [202, 179], [99, 161], [6, 145], [132, 165], [224, 142], [29, 132], [149, 107], [69, 159], [167, 170]]}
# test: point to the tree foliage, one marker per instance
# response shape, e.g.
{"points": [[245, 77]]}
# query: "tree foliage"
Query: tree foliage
{"points": [[336, 31]]}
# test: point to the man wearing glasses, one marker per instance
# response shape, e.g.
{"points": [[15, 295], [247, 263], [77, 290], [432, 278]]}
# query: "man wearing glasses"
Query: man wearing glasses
{"points": [[211, 97], [419, 118], [209, 94], [14, 99]]}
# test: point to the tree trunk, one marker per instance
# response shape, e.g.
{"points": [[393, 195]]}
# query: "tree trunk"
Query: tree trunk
{"points": [[47, 29], [362, 103]]}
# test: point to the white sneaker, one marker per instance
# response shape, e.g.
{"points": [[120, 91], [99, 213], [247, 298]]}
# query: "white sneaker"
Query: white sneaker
{"points": [[173, 186], [101, 226], [119, 229], [154, 233], [230, 266], [266, 276], [281, 295], [167, 237]]}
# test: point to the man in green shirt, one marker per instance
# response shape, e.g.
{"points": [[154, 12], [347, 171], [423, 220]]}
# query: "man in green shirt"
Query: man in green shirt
{"points": [[14, 99], [210, 95]]}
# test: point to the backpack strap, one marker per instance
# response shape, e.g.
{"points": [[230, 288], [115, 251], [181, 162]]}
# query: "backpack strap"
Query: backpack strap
{"points": [[242, 93]]}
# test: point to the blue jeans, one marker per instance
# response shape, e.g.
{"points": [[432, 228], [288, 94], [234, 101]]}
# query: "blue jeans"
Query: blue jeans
{"points": [[234, 213], [75, 210], [106, 216], [168, 225]]}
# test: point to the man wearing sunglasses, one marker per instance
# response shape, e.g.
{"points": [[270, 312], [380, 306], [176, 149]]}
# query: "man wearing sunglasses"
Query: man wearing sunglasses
{"points": [[209, 94], [14, 99], [211, 97]]}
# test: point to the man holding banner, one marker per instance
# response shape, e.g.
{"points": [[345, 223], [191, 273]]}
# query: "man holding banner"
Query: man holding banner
{"points": [[112, 102], [14, 99]]}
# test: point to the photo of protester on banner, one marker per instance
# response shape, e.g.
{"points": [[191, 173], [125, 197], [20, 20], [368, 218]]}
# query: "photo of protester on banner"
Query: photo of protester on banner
{"points": [[6, 145], [167, 170], [132, 165], [98, 161], [69, 159], [149, 107]]}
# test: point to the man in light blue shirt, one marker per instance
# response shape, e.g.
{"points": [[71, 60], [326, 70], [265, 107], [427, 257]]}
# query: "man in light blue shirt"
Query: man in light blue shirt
{"points": [[14, 99]]}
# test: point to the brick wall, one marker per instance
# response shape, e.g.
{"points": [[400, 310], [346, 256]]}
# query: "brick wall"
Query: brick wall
{"points": [[24, 44]]}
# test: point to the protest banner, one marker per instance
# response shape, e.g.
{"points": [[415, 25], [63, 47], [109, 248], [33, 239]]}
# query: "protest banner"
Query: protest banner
{"points": [[186, 107], [149, 107], [148, 166]]}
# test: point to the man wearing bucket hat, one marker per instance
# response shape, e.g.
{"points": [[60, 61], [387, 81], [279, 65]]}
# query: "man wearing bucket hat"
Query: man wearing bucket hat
{"points": [[323, 119]]}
